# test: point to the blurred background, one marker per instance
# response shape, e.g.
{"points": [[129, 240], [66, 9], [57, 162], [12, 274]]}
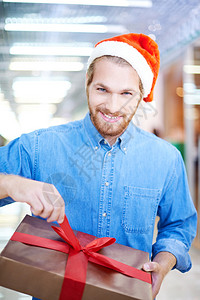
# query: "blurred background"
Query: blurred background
{"points": [[44, 48]]}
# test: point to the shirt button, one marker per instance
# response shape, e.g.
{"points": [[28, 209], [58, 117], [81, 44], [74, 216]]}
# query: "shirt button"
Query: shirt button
{"points": [[124, 148], [104, 214], [96, 148], [105, 142], [109, 154], [106, 183]]}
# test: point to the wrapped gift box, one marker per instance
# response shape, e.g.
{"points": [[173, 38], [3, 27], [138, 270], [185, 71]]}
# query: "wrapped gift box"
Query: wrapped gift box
{"points": [[39, 272]]}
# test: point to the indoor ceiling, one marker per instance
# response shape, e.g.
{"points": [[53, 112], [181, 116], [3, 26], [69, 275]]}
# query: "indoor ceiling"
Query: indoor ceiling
{"points": [[44, 47]]}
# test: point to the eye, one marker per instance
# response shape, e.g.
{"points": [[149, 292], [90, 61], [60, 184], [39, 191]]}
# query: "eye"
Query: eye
{"points": [[101, 90], [127, 93]]}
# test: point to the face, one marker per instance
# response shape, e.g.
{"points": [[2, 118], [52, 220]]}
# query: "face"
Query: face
{"points": [[113, 98]]}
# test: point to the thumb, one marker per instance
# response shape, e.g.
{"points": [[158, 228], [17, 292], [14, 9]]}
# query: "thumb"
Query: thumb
{"points": [[151, 266]]}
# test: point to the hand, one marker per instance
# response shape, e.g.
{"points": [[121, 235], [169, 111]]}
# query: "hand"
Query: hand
{"points": [[157, 275], [162, 263], [43, 198]]}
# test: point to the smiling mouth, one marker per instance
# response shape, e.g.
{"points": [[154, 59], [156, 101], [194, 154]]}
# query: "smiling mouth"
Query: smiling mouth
{"points": [[109, 118]]}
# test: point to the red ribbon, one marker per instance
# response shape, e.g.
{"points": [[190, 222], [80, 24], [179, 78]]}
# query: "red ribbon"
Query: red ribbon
{"points": [[80, 250]]}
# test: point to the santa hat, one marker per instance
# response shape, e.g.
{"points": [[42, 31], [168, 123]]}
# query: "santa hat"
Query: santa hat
{"points": [[139, 50]]}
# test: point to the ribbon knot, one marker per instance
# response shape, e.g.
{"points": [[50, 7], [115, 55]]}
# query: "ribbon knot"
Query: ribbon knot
{"points": [[67, 234]]}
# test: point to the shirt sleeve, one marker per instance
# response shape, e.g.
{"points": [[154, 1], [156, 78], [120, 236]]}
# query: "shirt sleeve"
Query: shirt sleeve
{"points": [[178, 218], [17, 158]]}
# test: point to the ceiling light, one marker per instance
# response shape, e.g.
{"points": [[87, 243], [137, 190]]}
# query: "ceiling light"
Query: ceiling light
{"points": [[46, 66], [41, 27], [41, 84], [39, 99], [191, 69], [50, 50], [123, 3], [36, 108], [192, 99], [38, 19], [36, 91], [189, 87]]}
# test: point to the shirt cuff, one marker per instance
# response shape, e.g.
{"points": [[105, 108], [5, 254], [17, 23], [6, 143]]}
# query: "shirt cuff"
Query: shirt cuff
{"points": [[6, 201], [178, 249]]}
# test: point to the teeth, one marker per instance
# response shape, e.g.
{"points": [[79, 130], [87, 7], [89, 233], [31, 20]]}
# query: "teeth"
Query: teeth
{"points": [[109, 117]]}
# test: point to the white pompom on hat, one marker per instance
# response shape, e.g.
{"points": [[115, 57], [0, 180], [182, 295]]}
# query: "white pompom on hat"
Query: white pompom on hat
{"points": [[139, 50]]}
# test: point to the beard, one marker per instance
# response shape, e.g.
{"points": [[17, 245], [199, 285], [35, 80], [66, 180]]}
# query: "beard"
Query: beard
{"points": [[107, 129]]}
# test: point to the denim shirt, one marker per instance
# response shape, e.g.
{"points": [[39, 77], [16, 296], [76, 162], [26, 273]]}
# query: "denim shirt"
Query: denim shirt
{"points": [[114, 191]]}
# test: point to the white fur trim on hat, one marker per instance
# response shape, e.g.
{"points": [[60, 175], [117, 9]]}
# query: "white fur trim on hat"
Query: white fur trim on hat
{"points": [[131, 55]]}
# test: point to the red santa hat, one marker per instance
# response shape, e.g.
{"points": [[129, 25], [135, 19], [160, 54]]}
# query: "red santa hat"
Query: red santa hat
{"points": [[140, 51]]}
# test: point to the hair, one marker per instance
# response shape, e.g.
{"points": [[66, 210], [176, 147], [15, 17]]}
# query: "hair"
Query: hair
{"points": [[115, 59]]}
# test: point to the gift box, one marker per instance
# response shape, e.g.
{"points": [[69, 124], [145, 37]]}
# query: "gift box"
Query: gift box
{"points": [[39, 265]]}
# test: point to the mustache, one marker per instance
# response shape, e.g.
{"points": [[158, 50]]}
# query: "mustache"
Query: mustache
{"points": [[107, 112]]}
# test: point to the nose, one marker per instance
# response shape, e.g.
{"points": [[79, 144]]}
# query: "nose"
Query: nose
{"points": [[113, 103]]}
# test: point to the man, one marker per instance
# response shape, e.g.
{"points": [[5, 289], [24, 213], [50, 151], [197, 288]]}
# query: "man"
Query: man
{"points": [[110, 177]]}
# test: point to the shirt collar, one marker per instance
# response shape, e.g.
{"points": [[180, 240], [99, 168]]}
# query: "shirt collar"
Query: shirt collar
{"points": [[96, 138], [92, 133]]}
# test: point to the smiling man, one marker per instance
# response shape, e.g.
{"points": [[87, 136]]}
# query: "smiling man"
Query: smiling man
{"points": [[110, 177]]}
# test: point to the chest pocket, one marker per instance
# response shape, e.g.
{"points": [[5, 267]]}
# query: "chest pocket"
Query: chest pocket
{"points": [[140, 208]]}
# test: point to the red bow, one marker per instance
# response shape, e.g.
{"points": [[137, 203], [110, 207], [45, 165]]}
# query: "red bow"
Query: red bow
{"points": [[80, 250]]}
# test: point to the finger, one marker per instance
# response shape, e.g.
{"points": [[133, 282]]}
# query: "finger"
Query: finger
{"points": [[47, 211], [58, 212], [155, 291], [62, 215], [47, 207], [36, 206], [55, 215], [151, 267], [156, 283], [49, 200], [60, 205]]}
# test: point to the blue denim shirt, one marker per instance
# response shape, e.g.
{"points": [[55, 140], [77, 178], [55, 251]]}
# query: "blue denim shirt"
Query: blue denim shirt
{"points": [[112, 191]]}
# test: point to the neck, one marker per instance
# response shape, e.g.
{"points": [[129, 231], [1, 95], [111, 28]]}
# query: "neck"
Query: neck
{"points": [[111, 139]]}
